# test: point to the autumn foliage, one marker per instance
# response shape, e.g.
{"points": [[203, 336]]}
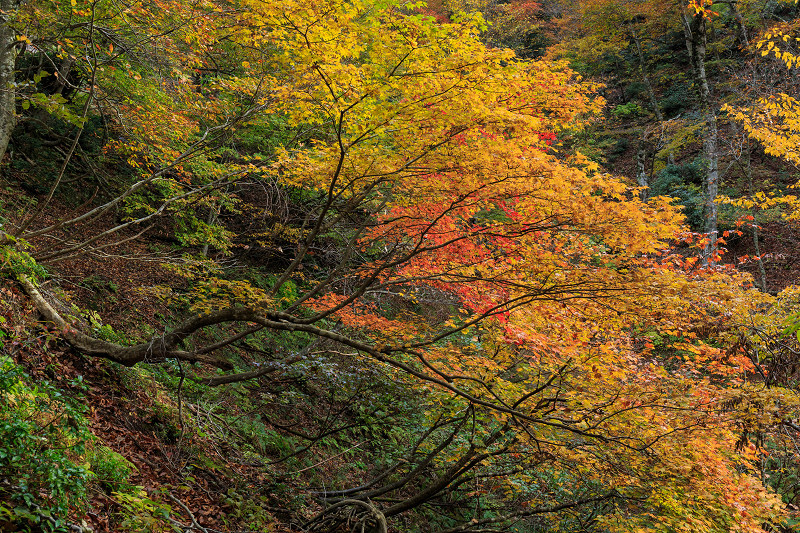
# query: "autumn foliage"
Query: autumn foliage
{"points": [[421, 219]]}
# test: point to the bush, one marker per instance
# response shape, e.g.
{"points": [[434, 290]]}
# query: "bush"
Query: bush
{"points": [[142, 513], [42, 442], [629, 110], [676, 99], [111, 470], [634, 90], [683, 182]]}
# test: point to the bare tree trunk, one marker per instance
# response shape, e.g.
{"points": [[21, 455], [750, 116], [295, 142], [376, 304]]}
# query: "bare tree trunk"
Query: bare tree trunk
{"points": [[756, 247], [740, 21], [757, 250], [7, 59], [710, 146], [695, 33], [641, 176], [645, 78], [641, 167]]}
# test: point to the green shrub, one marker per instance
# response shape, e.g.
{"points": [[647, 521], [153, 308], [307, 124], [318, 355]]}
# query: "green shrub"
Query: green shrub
{"points": [[629, 110], [16, 261], [103, 331], [683, 182], [142, 513], [676, 99], [111, 470], [246, 510], [43, 436], [634, 89]]}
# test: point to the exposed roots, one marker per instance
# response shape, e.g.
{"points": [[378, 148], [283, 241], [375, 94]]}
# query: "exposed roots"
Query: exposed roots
{"points": [[352, 516]]}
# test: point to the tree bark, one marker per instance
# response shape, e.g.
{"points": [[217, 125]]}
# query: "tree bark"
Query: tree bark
{"points": [[740, 21], [8, 116], [651, 95], [695, 31], [641, 175], [756, 247], [159, 348], [641, 167]]}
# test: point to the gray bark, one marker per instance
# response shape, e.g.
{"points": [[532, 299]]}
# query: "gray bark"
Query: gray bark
{"points": [[740, 21], [646, 78], [641, 167], [213, 212], [641, 175], [695, 33], [8, 54], [756, 247], [757, 250]]}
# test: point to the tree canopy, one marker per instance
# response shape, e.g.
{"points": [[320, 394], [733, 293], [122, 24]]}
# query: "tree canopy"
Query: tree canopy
{"points": [[379, 233]]}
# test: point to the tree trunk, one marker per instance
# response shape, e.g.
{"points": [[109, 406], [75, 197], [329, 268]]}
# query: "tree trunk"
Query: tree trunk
{"points": [[740, 21], [756, 248], [641, 176], [641, 167], [695, 33], [7, 59], [651, 95]]}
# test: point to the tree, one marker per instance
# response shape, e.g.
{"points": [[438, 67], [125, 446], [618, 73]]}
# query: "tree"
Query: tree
{"points": [[132, 69], [7, 57], [773, 120], [621, 36], [516, 25], [502, 279]]}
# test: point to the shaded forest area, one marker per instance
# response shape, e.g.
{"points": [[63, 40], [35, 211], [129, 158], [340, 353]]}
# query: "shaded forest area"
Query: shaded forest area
{"points": [[384, 266]]}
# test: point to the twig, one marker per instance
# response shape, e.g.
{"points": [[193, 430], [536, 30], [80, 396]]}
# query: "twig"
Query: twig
{"points": [[194, 525], [326, 460], [180, 402]]}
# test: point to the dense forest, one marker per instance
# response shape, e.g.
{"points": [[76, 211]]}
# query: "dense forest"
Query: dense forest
{"points": [[391, 266]]}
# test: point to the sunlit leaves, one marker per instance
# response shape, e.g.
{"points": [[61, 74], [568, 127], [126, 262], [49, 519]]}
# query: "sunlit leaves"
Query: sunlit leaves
{"points": [[518, 283]]}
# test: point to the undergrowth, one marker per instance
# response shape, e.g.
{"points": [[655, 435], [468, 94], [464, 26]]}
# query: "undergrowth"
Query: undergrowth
{"points": [[44, 435]]}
